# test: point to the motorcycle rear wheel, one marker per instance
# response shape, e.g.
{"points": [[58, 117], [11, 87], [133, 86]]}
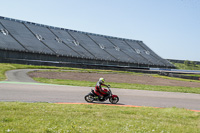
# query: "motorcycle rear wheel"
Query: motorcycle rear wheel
{"points": [[114, 100], [89, 98]]}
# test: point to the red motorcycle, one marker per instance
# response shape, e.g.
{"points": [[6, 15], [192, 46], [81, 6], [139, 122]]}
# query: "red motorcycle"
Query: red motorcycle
{"points": [[107, 94]]}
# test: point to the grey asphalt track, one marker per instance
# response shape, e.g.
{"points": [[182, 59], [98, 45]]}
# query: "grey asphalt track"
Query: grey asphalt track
{"points": [[15, 90], [20, 75]]}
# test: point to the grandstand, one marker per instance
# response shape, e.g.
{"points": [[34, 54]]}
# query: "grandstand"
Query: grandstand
{"points": [[32, 43]]}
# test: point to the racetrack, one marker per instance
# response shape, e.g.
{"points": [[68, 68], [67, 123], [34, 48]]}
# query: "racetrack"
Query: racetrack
{"points": [[30, 91]]}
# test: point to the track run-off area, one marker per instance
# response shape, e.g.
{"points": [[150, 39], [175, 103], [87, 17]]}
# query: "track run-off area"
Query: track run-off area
{"points": [[20, 87]]}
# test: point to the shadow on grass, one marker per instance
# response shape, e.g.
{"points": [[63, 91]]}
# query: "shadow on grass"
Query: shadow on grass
{"points": [[107, 103]]}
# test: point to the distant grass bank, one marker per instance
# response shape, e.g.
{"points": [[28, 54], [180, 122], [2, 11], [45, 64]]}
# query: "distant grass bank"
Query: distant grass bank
{"points": [[186, 67], [121, 85], [54, 118]]}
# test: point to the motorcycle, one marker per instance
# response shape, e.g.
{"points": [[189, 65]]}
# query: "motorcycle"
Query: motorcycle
{"points": [[107, 94]]}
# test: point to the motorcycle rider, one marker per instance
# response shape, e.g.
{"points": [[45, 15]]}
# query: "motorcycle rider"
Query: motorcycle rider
{"points": [[98, 88]]}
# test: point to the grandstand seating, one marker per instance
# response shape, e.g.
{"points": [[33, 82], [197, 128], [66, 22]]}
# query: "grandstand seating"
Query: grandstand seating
{"points": [[42, 42]]}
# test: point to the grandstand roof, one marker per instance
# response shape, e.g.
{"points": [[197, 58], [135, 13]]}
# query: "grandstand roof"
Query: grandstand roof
{"points": [[18, 35]]}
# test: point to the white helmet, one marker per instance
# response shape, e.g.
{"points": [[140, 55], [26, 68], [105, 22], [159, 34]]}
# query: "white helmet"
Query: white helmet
{"points": [[101, 80]]}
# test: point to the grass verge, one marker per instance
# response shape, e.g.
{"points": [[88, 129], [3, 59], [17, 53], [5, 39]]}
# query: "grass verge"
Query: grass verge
{"points": [[50, 118], [121, 85], [174, 78]]}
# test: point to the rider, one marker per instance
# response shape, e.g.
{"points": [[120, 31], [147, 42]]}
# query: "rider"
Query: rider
{"points": [[98, 88]]}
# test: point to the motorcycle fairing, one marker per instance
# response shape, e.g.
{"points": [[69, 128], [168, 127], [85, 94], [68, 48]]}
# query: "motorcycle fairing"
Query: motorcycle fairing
{"points": [[113, 96]]}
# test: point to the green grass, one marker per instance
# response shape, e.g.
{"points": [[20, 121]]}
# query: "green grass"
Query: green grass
{"points": [[121, 85], [18, 117], [193, 75], [174, 78]]}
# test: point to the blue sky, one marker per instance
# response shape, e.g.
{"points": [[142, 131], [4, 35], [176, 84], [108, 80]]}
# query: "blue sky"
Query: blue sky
{"points": [[171, 28]]}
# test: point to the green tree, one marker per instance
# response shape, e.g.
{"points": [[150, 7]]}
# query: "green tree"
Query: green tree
{"points": [[193, 63], [186, 62]]}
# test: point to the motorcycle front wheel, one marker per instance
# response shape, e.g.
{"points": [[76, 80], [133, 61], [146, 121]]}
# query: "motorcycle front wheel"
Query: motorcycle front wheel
{"points": [[114, 100], [89, 98]]}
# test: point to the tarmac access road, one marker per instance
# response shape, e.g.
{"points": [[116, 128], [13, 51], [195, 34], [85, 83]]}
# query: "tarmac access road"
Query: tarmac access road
{"points": [[25, 90]]}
